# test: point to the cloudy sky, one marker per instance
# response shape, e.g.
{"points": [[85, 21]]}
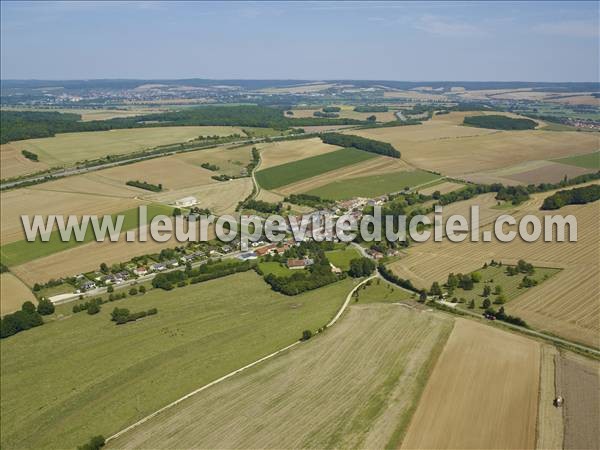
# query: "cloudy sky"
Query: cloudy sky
{"points": [[551, 41]]}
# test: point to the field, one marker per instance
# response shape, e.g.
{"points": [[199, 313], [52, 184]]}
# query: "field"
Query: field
{"points": [[288, 173], [276, 268], [579, 384], [88, 114], [373, 186], [68, 148], [588, 161], [442, 188], [14, 164], [482, 393], [379, 291], [493, 276], [550, 427], [105, 377], [277, 153], [13, 293], [230, 160], [341, 258], [347, 112], [545, 307], [363, 377], [444, 145]]}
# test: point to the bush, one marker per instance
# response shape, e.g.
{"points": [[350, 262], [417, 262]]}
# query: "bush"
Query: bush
{"points": [[93, 308], [95, 443], [45, 307], [306, 335], [361, 267], [133, 291], [142, 290]]}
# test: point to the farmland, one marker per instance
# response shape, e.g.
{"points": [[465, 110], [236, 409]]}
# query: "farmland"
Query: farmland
{"points": [[341, 258], [588, 160], [277, 153], [373, 186], [276, 268], [380, 292], [482, 393], [105, 377], [12, 293], [363, 388], [68, 148], [347, 112], [288, 173]]}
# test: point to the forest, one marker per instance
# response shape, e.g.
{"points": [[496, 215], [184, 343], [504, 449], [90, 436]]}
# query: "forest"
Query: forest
{"points": [[360, 143]]}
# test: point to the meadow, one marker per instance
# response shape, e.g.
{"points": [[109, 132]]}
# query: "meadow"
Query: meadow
{"points": [[105, 377], [373, 186], [588, 160], [379, 291], [284, 174], [363, 388], [276, 268], [341, 258]]}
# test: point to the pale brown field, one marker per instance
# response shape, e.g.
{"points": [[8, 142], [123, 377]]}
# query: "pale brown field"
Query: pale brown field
{"points": [[347, 112], [230, 160], [445, 146], [13, 293], [579, 385], [443, 188], [14, 164], [549, 421], [94, 114], [414, 96], [362, 377], [482, 393], [321, 128], [277, 153], [576, 100], [566, 304], [299, 89], [268, 196], [373, 166]]}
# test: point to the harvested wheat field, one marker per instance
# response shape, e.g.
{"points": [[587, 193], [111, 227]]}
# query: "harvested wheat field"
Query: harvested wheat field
{"points": [[566, 304], [68, 148], [579, 385], [13, 293], [550, 419], [372, 167], [363, 376], [347, 112], [277, 153], [443, 145], [482, 393], [14, 164], [230, 161], [443, 188]]}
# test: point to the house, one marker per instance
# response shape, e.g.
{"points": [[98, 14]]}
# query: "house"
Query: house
{"points": [[87, 285], [299, 263], [140, 271], [186, 201], [158, 267], [226, 249], [123, 275], [173, 263], [247, 256]]}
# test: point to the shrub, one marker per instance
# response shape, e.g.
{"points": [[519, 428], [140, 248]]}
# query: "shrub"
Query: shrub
{"points": [[45, 307], [306, 335], [95, 443]]}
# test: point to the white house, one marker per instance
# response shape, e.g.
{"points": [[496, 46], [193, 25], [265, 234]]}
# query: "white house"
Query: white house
{"points": [[186, 201]]}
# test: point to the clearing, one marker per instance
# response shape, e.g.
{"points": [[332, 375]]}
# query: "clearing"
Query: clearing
{"points": [[106, 377], [363, 376], [482, 393]]}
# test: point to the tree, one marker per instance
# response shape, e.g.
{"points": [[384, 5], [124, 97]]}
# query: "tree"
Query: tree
{"points": [[133, 291], [498, 290], [500, 300], [103, 268], [452, 281], [176, 212], [371, 118], [476, 277], [142, 289], [435, 289], [28, 307], [360, 267], [472, 304], [45, 307], [95, 443], [487, 290], [110, 289], [94, 308], [306, 335], [423, 296], [486, 303]]}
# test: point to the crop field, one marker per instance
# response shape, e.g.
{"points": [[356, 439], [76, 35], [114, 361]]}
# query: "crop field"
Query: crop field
{"points": [[363, 377], [588, 160], [443, 188], [13, 293], [445, 146], [483, 392], [105, 377], [493, 276], [277, 153], [550, 425], [230, 160], [68, 148], [288, 173], [546, 306], [579, 383], [373, 186], [347, 112], [372, 167], [88, 114], [14, 164], [341, 258], [20, 252]]}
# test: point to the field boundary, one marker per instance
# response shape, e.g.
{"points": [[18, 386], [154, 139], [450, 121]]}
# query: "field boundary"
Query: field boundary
{"points": [[235, 372]]}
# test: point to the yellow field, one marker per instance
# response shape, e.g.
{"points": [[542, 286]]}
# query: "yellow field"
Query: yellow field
{"points": [[68, 148], [550, 424], [277, 153], [14, 164], [13, 293], [347, 112], [443, 145], [362, 377], [566, 304], [482, 393]]}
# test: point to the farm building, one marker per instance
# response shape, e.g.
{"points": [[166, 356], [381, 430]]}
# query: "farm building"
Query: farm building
{"points": [[299, 263], [186, 201]]}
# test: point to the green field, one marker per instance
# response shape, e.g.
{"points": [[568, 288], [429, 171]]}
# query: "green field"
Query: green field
{"points": [[276, 268], [587, 161], [379, 291], [496, 276], [341, 258], [288, 173], [20, 252], [373, 186], [68, 148], [83, 375]]}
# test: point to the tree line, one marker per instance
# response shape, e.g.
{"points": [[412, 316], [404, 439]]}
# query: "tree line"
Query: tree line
{"points": [[145, 185], [29, 316], [371, 109], [360, 143], [576, 196], [499, 122]]}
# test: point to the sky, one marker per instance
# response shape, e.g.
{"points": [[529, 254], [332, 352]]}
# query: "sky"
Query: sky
{"points": [[420, 41]]}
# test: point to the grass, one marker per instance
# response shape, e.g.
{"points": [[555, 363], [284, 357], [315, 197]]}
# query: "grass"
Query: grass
{"points": [[496, 276], [276, 268], [288, 173], [373, 186], [587, 161], [20, 252], [83, 375], [341, 258], [378, 291]]}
